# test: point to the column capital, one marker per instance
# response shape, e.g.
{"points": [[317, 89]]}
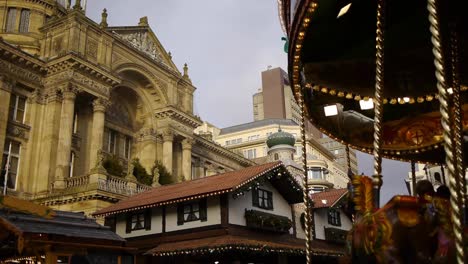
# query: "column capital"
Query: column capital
{"points": [[187, 143], [70, 91], [167, 135], [53, 95], [6, 83], [37, 97], [100, 104]]}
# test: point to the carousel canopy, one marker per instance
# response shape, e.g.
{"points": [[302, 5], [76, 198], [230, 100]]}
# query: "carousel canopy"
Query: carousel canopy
{"points": [[332, 54]]}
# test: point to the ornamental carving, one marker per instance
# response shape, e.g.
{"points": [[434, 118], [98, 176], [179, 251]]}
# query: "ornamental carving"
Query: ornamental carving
{"points": [[79, 79], [19, 72], [92, 49], [18, 130], [143, 42]]}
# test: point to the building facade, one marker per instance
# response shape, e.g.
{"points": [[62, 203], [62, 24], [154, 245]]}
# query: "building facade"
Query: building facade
{"points": [[242, 216], [339, 150], [275, 100], [75, 94], [251, 140]]}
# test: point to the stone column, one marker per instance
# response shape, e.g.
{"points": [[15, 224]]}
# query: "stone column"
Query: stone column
{"points": [[147, 155], [46, 155], [97, 133], [168, 139], [5, 94], [65, 136], [187, 158]]}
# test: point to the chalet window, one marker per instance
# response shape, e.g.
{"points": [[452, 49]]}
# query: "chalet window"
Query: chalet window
{"points": [[17, 108], [24, 20], [191, 211], [334, 217], [10, 163], [111, 222], [262, 199], [139, 220], [11, 20]]}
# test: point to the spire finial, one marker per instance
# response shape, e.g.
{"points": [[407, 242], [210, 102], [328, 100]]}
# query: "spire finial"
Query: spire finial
{"points": [[143, 22], [103, 23], [77, 5], [185, 70], [170, 55]]}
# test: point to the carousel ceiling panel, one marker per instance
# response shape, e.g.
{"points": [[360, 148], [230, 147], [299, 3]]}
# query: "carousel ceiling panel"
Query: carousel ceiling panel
{"points": [[335, 51]]}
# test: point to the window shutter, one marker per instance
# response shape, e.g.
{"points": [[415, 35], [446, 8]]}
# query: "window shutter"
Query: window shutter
{"points": [[270, 200], [202, 209], [180, 214], [148, 219], [128, 228], [255, 198]]}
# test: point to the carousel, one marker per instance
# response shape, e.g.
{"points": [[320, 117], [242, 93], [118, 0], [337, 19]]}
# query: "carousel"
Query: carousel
{"points": [[388, 78]]}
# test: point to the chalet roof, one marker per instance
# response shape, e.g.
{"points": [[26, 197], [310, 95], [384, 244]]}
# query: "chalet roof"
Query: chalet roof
{"points": [[328, 198], [65, 224], [240, 243], [204, 187]]}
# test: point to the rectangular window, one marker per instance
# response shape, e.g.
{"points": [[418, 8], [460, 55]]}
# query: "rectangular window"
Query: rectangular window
{"points": [[112, 146], [334, 217], [192, 211], [138, 220], [10, 163], [11, 20], [17, 108], [127, 147], [111, 222], [72, 164], [315, 173], [250, 153], [24, 20], [262, 199], [75, 123]]}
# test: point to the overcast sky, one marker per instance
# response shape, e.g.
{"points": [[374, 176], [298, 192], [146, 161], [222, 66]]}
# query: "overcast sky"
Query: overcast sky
{"points": [[226, 43]]}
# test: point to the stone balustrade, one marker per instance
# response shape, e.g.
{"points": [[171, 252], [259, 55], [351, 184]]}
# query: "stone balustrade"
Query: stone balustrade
{"points": [[108, 183]]}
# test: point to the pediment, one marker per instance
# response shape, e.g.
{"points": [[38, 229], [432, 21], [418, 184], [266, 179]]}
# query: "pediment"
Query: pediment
{"points": [[143, 39]]}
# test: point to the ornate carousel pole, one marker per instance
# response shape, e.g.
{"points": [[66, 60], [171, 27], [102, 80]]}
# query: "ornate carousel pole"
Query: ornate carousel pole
{"points": [[307, 202], [446, 124], [378, 101]]}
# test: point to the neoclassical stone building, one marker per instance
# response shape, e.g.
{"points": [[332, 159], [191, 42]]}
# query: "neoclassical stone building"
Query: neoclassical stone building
{"points": [[73, 92]]}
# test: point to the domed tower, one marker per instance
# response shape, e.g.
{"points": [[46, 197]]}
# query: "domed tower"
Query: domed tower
{"points": [[281, 146], [21, 21]]}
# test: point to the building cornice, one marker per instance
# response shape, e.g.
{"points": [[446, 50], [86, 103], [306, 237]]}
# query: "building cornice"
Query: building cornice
{"points": [[223, 151], [174, 113]]}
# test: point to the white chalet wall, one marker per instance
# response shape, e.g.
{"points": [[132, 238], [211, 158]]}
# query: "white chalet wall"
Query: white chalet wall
{"points": [[321, 221], [238, 206], [156, 225], [213, 216]]}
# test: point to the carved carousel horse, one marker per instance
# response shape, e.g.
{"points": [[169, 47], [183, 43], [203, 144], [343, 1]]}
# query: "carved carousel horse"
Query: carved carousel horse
{"points": [[406, 230]]}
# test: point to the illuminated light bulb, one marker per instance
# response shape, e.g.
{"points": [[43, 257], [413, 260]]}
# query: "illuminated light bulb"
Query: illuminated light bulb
{"points": [[406, 99], [349, 96], [365, 105], [340, 94], [330, 110]]}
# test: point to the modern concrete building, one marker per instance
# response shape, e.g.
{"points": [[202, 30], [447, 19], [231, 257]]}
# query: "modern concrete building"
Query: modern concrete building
{"points": [[79, 97], [275, 98]]}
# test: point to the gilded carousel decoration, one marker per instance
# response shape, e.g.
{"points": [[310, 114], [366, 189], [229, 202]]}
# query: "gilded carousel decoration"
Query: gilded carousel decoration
{"points": [[388, 78]]}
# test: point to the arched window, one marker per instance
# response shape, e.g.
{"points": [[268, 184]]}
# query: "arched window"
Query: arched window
{"points": [[276, 156], [437, 177]]}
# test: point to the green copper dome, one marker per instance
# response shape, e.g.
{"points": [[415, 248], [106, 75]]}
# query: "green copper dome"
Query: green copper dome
{"points": [[280, 138]]}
